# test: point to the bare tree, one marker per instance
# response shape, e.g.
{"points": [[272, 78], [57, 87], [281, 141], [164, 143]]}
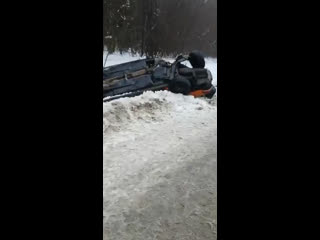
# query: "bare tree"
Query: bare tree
{"points": [[160, 27]]}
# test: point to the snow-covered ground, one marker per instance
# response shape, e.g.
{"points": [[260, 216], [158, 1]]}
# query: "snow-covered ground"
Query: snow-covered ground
{"points": [[159, 166]]}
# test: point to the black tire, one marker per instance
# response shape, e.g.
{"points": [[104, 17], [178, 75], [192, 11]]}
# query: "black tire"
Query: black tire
{"points": [[196, 59], [212, 92], [180, 85]]}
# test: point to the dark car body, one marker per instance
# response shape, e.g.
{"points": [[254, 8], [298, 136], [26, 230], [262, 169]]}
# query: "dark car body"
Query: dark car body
{"points": [[152, 74]]}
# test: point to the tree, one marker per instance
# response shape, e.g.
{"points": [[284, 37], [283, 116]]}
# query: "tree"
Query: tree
{"points": [[160, 27]]}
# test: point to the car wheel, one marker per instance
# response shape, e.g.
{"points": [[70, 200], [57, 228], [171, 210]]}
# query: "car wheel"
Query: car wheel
{"points": [[211, 93], [196, 59], [180, 85]]}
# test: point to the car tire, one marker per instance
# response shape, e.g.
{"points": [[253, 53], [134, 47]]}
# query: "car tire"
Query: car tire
{"points": [[180, 85], [211, 93], [196, 59]]}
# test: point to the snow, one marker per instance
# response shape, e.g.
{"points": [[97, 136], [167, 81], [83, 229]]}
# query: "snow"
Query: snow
{"points": [[159, 165], [118, 58]]}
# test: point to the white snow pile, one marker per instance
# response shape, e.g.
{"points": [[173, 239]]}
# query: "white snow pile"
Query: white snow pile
{"points": [[150, 107], [159, 167]]}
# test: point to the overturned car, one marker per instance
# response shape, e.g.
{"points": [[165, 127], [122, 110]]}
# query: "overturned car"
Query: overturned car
{"points": [[152, 74]]}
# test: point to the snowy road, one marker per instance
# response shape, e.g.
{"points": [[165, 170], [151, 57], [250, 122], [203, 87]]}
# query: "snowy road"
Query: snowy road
{"points": [[159, 168]]}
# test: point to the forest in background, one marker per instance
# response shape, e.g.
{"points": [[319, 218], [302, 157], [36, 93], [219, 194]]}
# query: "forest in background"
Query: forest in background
{"points": [[160, 27]]}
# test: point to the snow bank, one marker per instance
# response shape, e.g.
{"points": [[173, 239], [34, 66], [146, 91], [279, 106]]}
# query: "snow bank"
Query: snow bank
{"points": [[148, 107]]}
